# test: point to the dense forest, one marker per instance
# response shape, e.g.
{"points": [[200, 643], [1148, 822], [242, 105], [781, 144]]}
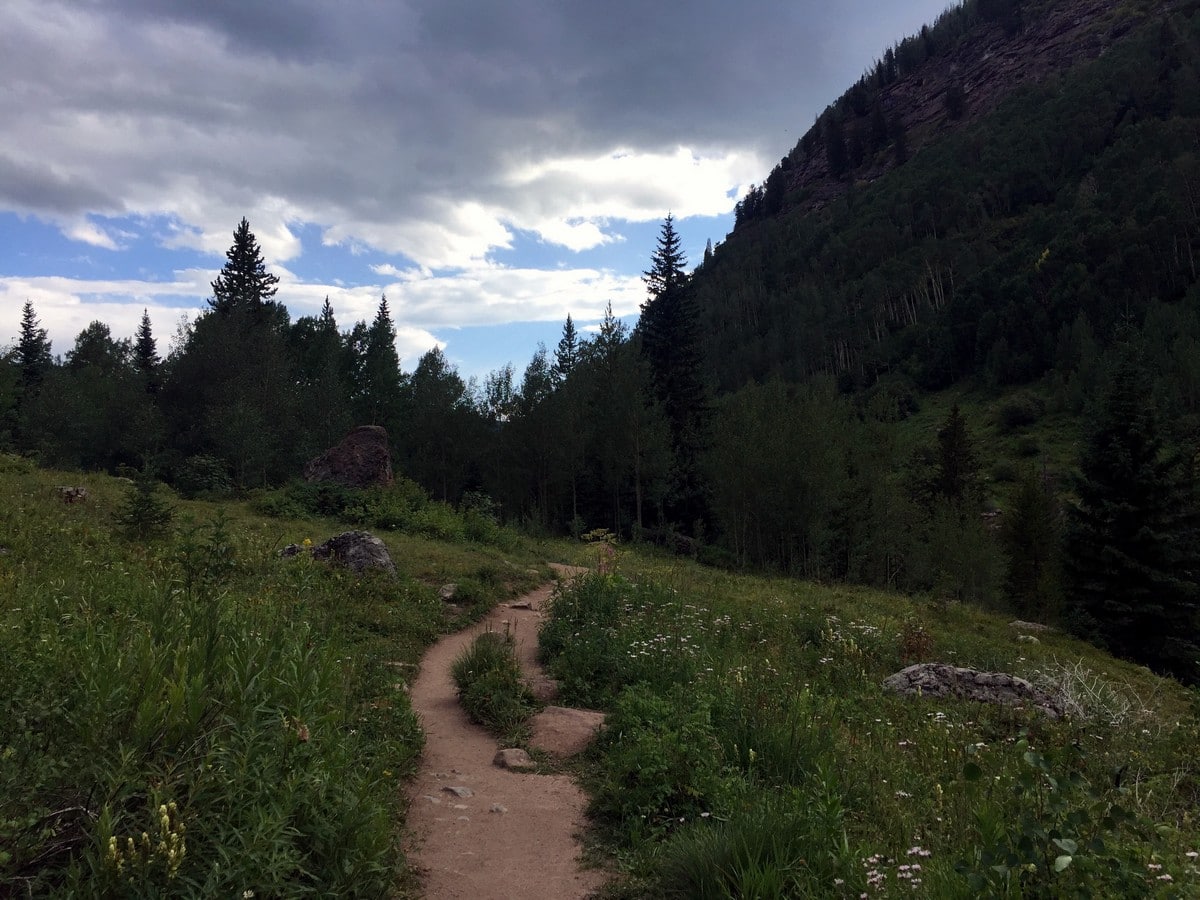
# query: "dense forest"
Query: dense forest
{"points": [[1038, 258]]}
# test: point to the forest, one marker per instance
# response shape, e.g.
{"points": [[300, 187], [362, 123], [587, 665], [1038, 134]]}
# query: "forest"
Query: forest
{"points": [[976, 376]]}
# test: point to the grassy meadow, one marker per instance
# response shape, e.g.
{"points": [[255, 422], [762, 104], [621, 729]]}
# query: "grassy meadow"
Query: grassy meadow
{"points": [[188, 714], [191, 715], [751, 750]]}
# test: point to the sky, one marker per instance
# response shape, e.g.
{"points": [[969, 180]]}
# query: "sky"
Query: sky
{"points": [[490, 166]]}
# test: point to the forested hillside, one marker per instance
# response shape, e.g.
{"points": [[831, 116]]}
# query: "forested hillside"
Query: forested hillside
{"points": [[952, 346]]}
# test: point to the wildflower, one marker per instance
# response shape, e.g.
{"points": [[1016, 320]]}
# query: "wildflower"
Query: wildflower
{"points": [[1191, 854], [1164, 877], [1153, 867]]}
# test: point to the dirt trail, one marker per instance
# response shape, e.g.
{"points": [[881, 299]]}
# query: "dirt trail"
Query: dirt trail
{"points": [[512, 836]]}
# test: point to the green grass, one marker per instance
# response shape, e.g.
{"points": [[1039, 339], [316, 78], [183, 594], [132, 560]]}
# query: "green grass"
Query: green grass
{"points": [[752, 751], [191, 715], [491, 687]]}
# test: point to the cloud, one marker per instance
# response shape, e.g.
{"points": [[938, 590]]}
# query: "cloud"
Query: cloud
{"points": [[423, 128]]}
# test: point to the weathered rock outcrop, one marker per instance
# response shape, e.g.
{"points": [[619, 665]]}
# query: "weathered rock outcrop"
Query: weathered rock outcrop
{"points": [[361, 460], [941, 680], [359, 551]]}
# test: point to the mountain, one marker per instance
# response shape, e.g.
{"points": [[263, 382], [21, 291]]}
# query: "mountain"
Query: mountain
{"points": [[1013, 181]]}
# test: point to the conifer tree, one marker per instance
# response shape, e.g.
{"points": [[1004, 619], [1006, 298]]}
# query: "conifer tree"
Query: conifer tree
{"points": [[956, 475], [670, 341], [379, 390], [1032, 539], [566, 356], [1132, 559], [244, 284], [145, 354], [33, 350]]}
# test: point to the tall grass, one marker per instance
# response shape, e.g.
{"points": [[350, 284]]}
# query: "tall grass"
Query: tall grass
{"points": [[193, 716]]}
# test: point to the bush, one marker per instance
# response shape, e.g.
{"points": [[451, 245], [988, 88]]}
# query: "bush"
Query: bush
{"points": [[143, 514], [202, 476], [490, 687], [1020, 410]]}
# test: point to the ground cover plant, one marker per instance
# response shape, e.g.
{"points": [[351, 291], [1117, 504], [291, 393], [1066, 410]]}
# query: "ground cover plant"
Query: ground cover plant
{"points": [[751, 750], [187, 714]]}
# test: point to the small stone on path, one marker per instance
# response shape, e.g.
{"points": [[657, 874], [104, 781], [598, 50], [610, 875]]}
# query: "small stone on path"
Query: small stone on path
{"points": [[514, 758], [458, 791], [498, 808]]}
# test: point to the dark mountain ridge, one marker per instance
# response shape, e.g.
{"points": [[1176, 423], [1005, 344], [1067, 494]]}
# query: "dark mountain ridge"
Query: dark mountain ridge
{"points": [[1064, 199]]}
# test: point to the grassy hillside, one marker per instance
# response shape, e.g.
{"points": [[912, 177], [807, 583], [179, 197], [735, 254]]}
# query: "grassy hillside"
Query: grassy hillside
{"points": [[192, 715], [752, 751]]}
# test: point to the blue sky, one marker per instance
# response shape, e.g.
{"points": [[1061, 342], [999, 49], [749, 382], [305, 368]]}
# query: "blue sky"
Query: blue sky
{"points": [[490, 167]]}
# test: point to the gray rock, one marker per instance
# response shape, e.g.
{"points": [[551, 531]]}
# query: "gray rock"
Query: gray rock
{"points": [[941, 680], [1020, 625], [358, 551], [447, 592], [459, 791]]}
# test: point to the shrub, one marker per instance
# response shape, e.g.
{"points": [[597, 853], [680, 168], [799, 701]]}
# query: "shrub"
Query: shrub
{"points": [[143, 514], [490, 687], [1021, 409], [202, 476]]}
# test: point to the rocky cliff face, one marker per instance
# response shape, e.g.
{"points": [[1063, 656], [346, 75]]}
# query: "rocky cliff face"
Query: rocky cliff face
{"points": [[987, 65]]}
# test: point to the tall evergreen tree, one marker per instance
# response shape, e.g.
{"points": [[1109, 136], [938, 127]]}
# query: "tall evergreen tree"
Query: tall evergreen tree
{"points": [[956, 476], [1132, 560], [1031, 535], [33, 350], [244, 284], [379, 388], [670, 341], [566, 357], [145, 354]]}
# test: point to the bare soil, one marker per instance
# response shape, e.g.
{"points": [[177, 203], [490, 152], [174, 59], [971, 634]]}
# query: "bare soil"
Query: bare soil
{"points": [[479, 831]]}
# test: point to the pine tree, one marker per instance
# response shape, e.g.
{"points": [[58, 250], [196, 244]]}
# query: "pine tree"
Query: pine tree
{"points": [[379, 389], [1132, 561], [670, 342], [566, 356], [33, 350], [956, 477], [145, 354], [1031, 535], [244, 284]]}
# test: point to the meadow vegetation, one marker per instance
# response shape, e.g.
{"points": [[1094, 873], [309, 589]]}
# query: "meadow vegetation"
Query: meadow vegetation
{"points": [[751, 750], [187, 714]]}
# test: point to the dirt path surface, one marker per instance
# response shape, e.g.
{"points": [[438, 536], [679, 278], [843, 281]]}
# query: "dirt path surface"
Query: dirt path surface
{"points": [[479, 831]]}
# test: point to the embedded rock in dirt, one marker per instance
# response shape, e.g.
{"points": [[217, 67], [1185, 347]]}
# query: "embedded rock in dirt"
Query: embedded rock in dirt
{"points": [[447, 592], [564, 731], [359, 551], [941, 680], [361, 460], [1029, 626], [514, 758]]}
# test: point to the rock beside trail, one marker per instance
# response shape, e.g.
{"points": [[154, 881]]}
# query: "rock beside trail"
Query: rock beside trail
{"points": [[358, 551], [563, 731], [941, 680], [1020, 625], [514, 758], [360, 460]]}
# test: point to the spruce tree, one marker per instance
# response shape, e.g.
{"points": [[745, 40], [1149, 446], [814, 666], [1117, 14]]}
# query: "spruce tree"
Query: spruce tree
{"points": [[379, 390], [1132, 561], [244, 284], [33, 350], [669, 331], [956, 477], [145, 354], [1031, 535], [566, 356]]}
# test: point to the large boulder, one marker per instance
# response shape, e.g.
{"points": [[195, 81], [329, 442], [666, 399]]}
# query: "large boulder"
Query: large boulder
{"points": [[941, 680], [359, 551], [361, 460]]}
